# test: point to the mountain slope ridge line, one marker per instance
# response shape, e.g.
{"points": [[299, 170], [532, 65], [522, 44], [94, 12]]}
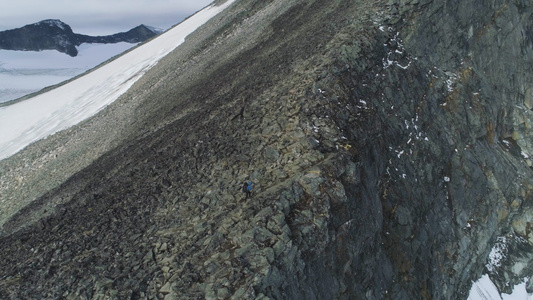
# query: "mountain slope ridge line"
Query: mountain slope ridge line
{"points": [[88, 94], [389, 151], [41, 166]]}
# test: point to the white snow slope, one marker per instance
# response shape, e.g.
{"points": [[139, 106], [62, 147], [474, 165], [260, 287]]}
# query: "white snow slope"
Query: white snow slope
{"points": [[28, 121], [25, 72], [484, 289]]}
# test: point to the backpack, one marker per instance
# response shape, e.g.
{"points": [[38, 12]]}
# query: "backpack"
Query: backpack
{"points": [[249, 188]]}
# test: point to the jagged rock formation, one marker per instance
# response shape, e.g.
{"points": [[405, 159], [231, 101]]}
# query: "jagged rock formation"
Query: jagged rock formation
{"points": [[389, 142], [56, 35]]}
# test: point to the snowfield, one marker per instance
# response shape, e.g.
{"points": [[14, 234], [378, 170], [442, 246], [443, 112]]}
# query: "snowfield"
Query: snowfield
{"points": [[484, 289], [25, 72], [28, 121]]}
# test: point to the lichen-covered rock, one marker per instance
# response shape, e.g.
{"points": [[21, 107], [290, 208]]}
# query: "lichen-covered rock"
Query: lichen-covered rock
{"points": [[388, 143]]}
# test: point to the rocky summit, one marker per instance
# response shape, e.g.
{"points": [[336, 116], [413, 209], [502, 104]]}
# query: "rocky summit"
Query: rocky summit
{"points": [[389, 143]]}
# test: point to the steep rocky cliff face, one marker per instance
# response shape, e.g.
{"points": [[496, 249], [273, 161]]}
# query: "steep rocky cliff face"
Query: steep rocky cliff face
{"points": [[388, 142]]}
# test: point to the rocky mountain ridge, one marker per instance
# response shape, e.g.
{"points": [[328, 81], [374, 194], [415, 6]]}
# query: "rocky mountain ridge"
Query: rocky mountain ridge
{"points": [[389, 143], [56, 35]]}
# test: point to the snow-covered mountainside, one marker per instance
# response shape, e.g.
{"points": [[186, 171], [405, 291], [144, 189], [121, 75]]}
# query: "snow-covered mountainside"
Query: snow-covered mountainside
{"points": [[389, 143], [56, 35], [26, 72]]}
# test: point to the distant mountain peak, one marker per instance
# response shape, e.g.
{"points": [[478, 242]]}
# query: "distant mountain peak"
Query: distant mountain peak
{"points": [[54, 34], [52, 22], [155, 30]]}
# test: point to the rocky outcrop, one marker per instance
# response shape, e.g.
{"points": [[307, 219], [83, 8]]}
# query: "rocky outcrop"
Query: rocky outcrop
{"points": [[388, 142], [56, 35], [138, 34]]}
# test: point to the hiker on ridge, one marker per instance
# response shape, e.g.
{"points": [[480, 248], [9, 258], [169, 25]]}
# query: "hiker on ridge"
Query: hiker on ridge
{"points": [[247, 188]]}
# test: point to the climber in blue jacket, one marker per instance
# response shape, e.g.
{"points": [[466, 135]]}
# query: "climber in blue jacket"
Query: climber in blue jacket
{"points": [[247, 188]]}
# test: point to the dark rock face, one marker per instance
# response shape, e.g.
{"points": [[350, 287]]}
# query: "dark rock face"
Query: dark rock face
{"points": [[389, 144], [135, 35], [56, 35]]}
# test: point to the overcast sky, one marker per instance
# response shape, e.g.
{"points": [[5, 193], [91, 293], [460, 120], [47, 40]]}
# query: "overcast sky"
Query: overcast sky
{"points": [[98, 17]]}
